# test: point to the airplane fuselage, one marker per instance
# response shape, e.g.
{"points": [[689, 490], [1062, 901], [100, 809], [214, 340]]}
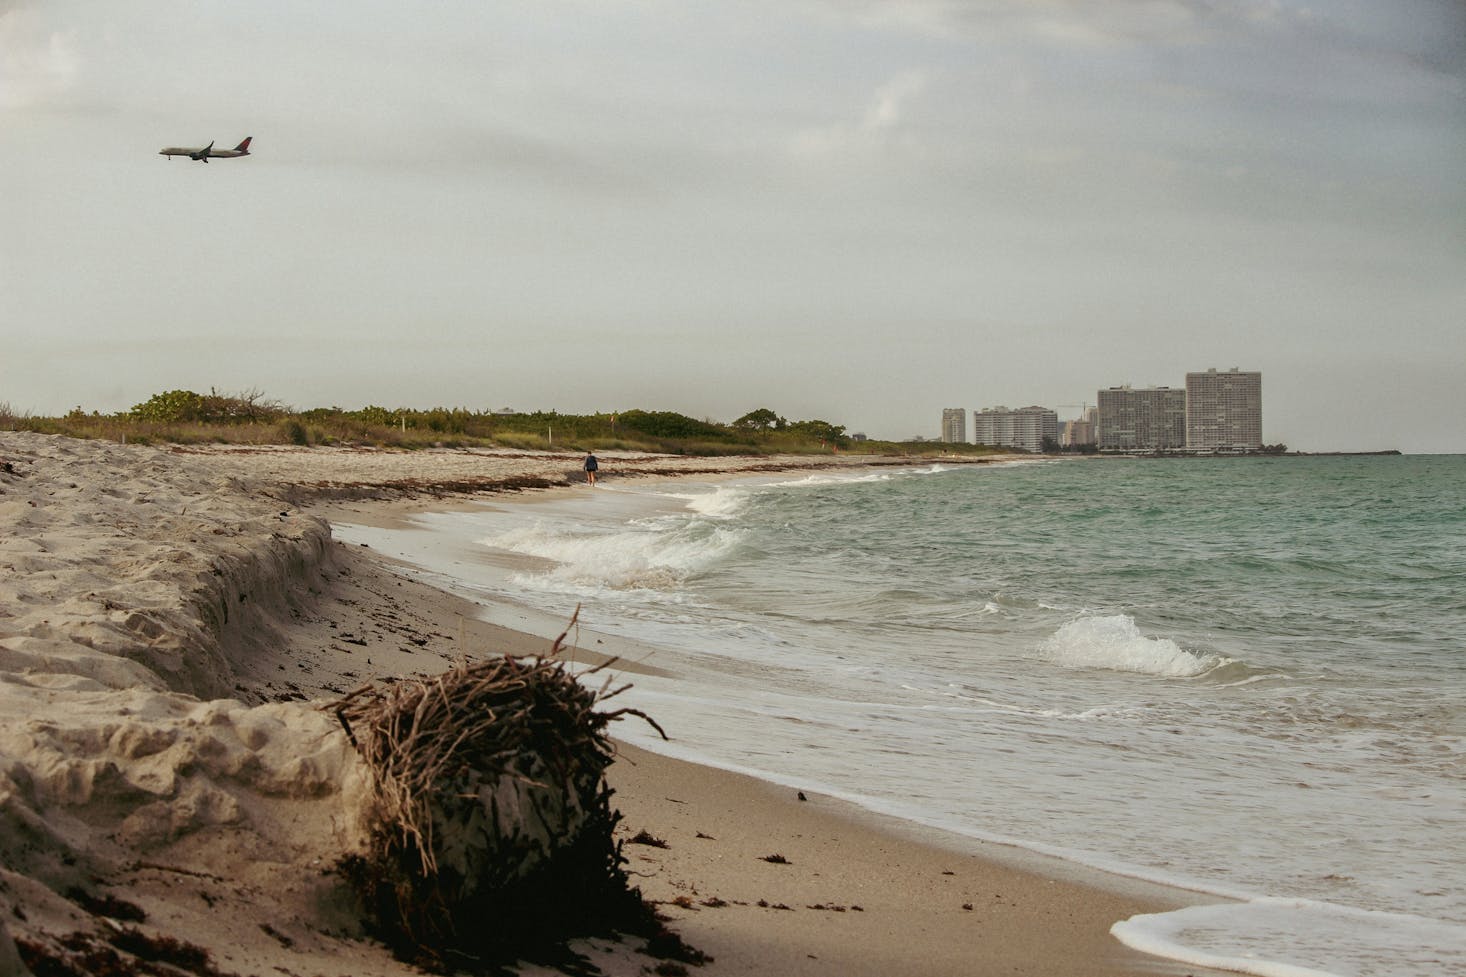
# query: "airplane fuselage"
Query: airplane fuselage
{"points": [[207, 152]]}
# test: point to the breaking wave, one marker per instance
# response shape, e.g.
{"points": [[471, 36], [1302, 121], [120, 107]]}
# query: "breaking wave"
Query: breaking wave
{"points": [[635, 558], [1117, 644]]}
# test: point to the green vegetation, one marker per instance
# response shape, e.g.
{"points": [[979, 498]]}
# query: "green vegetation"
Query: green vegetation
{"points": [[187, 407], [186, 417]]}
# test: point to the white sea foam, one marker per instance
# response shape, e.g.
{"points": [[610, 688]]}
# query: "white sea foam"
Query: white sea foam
{"points": [[721, 502], [812, 481], [1321, 940], [857, 478], [726, 501], [649, 556], [1115, 642]]}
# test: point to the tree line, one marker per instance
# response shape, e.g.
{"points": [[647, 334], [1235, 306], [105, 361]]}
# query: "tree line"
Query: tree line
{"points": [[186, 416]]}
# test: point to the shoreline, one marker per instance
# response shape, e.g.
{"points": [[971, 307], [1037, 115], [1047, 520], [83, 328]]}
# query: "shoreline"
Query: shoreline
{"points": [[245, 816], [1044, 885]]}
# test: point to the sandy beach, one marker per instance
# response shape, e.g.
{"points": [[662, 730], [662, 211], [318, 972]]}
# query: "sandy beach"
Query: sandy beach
{"points": [[170, 621]]}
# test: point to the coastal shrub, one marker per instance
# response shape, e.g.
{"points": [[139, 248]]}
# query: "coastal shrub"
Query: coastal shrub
{"points": [[187, 407], [444, 420], [762, 419], [246, 407], [378, 416], [170, 407], [668, 424], [294, 432], [819, 431], [565, 428], [490, 828]]}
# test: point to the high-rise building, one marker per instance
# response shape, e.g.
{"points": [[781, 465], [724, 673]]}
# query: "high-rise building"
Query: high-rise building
{"points": [[1148, 419], [954, 425], [1026, 428], [1224, 410], [1079, 431]]}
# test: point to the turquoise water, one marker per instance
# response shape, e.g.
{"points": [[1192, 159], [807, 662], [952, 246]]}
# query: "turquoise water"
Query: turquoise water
{"points": [[1245, 676]]}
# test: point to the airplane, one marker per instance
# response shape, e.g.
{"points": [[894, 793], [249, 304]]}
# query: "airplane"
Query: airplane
{"points": [[203, 154]]}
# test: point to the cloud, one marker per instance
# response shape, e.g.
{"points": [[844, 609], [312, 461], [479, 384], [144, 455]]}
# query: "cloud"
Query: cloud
{"points": [[1068, 23], [884, 114], [890, 99], [37, 66], [1431, 37]]}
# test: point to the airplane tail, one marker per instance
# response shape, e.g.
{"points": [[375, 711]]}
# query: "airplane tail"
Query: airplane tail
{"points": [[244, 146]]}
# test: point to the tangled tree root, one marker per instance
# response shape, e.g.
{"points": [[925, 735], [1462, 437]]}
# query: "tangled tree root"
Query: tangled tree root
{"points": [[490, 828]]}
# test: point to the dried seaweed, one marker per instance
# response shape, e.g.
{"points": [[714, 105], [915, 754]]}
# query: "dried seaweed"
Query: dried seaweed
{"points": [[132, 953], [106, 905], [490, 822]]}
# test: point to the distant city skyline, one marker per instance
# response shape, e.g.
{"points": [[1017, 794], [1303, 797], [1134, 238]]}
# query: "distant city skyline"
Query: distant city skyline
{"points": [[1218, 410], [832, 209]]}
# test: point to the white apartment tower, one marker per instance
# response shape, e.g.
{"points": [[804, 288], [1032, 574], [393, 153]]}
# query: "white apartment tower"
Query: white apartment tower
{"points": [[1148, 419], [1026, 428], [954, 425], [1224, 410]]}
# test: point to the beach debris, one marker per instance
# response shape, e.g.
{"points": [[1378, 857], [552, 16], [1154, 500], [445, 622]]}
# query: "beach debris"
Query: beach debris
{"points": [[106, 905], [802, 797], [124, 952], [489, 825], [276, 935], [775, 859], [644, 837]]}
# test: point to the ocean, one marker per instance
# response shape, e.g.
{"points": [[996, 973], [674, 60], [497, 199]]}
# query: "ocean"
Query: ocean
{"points": [[1245, 677]]}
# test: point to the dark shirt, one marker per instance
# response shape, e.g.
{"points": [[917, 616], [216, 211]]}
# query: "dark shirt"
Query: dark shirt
{"points": [[591, 464]]}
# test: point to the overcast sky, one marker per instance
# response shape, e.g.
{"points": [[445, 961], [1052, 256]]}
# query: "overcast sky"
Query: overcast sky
{"points": [[855, 210]]}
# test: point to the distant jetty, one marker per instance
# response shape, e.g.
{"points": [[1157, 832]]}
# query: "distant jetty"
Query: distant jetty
{"points": [[1344, 454], [1234, 454]]}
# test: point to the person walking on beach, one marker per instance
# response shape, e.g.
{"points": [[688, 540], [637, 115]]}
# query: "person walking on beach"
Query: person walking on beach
{"points": [[591, 466]]}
